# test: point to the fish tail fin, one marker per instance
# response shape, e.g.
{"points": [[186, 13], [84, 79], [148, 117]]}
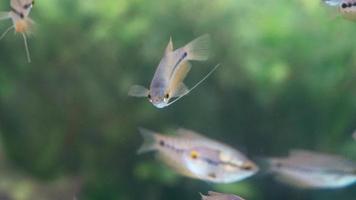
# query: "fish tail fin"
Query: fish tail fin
{"points": [[149, 141], [4, 15], [198, 49], [267, 164]]}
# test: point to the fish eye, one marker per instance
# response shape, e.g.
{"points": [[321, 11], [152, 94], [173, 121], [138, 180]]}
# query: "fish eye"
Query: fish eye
{"points": [[343, 5], [246, 167], [149, 96], [22, 16], [166, 96], [194, 154]]}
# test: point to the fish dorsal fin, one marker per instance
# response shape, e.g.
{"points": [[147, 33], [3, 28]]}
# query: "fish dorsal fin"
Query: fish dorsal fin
{"points": [[320, 160], [138, 91], [189, 134], [169, 47]]}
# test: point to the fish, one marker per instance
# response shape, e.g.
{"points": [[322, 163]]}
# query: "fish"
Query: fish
{"points": [[347, 8], [313, 170], [219, 196], [19, 14], [167, 82], [196, 156], [354, 135]]}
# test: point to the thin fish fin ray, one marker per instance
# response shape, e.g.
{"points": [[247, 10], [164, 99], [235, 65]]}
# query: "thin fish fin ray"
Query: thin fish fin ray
{"points": [[196, 85], [138, 91], [149, 141], [6, 32], [198, 49]]}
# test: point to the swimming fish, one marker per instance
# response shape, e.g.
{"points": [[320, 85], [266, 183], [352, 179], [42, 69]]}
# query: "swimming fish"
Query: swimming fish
{"points": [[307, 169], [167, 82], [347, 8], [219, 196], [196, 156], [19, 14]]}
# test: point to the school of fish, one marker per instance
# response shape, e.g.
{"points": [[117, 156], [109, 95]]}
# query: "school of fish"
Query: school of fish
{"points": [[196, 156]]}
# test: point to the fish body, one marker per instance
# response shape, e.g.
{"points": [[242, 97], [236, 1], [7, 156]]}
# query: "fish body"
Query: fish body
{"points": [[220, 196], [347, 8], [196, 156], [306, 169], [19, 14], [167, 82]]}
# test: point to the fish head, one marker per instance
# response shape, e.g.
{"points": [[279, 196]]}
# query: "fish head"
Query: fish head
{"points": [[159, 97]]}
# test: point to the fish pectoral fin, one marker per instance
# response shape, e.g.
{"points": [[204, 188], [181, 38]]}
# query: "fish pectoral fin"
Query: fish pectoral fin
{"points": [[138, 91], [4, 15], [181, 90], [198, 49]]}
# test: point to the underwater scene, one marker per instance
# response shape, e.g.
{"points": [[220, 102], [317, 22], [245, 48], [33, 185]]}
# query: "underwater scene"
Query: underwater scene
{"points": [[177, 100]]}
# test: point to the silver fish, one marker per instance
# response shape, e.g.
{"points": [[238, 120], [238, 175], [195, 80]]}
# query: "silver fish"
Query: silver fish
{"points": [[347, 8], [307, 169], [19, 14], [196, 156], [219, 196], [167, 82]]}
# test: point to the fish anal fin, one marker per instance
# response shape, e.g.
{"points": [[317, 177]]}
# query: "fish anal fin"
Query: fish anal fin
{"points": [[177, 78], [176, 164], [181, 90]]}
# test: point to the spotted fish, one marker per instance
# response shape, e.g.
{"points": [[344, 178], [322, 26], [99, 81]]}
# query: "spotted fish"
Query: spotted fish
{"points": [[197, 156]]}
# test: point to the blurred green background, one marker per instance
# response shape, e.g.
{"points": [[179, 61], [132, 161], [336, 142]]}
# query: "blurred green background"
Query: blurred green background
{"points": [[287, 81]]}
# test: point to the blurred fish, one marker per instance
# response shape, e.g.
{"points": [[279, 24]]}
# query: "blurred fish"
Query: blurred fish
{"points": [[219, 196], [347, 8], [167, 82], [19, 14], [306, 169], [196, 156]]}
